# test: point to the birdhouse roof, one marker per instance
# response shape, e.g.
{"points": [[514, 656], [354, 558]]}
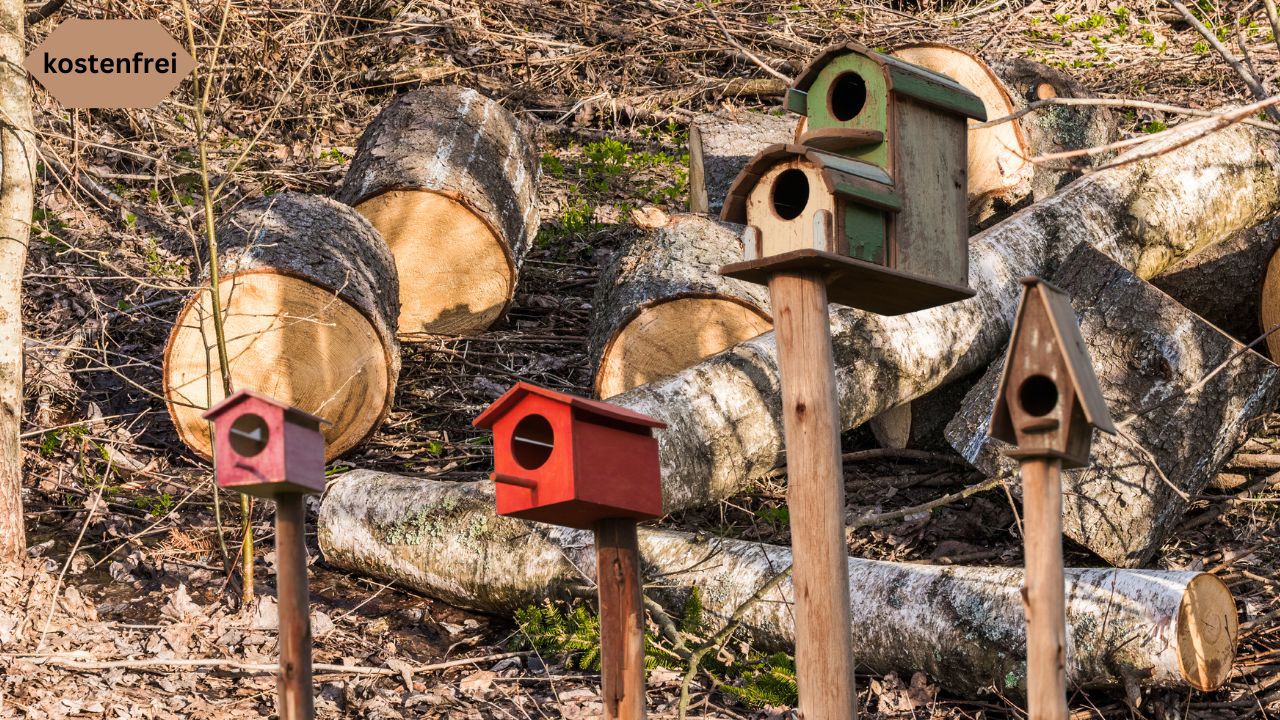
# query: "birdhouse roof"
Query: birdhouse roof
{"points": [[854, 179], [903, 77], [1070, 343], [290, 412], [517, 393]]}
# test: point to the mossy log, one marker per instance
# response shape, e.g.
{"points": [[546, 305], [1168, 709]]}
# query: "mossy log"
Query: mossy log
{"points": [[724, 416], [449, 178], [662, 305], [1178, 427], [309, 299], [962, 625]]}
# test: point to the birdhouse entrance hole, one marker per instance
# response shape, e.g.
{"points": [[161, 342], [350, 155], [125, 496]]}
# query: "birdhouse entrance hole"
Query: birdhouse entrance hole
{"points": [[790, 194], [532, 442], [847, 97], [1038, 395], [249, 435]]}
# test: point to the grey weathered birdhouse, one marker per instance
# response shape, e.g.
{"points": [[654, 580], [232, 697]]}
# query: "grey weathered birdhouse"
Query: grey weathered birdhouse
{"points": [[1048, 402]]}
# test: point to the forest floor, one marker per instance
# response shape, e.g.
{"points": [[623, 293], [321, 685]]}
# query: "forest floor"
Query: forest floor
{"points": [[128, 568]]}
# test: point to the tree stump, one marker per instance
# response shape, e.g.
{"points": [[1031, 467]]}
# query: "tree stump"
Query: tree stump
{"points": [[309, 296], [721, 143], [661, 305], [450, 180], [1176, 430]]}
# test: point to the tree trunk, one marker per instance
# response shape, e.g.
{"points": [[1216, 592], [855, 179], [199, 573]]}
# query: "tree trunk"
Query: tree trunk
{"points": [[17, 168], [309, 298], [721, 143], [662, 304], [450, 180], [724, 419], [1145, 348], [962, 625]]}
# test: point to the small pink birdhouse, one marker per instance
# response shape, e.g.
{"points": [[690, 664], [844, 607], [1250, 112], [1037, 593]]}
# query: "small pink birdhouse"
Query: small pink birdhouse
{"points": [[570, 461], [266, 448]]}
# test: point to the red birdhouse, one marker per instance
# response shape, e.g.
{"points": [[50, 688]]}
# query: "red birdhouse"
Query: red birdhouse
{"points": [[266, 448], [570, 461]]}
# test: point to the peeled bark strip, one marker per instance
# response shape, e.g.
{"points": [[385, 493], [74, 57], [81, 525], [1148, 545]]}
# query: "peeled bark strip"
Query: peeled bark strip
{"points": [[1223, 283], [450, 180], [724, 419], [309, 296], [662, 304], [1145, 348], [964, 626], [721, 143]]}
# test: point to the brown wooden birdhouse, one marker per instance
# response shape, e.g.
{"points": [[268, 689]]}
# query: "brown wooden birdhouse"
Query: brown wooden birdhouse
{"points": [[265, 448], [1048, 402], [566, 460]]}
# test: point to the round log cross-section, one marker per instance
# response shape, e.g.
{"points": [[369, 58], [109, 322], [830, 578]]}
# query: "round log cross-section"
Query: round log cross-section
{"points": [[662, 305], [309, 294], [450, 180]]}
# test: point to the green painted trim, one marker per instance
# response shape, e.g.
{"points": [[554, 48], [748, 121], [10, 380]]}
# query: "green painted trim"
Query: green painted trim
{"points": [[874, 114], [884, 199], [941, 96], [866, 233], [797, 101]]}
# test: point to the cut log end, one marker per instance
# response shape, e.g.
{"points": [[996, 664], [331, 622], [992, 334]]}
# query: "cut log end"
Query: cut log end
{"points": [[458, 275], [892, 428], [666, 337], [1207, 633], [286, 338]]}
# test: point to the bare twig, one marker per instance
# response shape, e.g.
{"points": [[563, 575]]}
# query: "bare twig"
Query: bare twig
{"points": [[1117, 103], [1211, 37], [72, 662], [734, 42]]}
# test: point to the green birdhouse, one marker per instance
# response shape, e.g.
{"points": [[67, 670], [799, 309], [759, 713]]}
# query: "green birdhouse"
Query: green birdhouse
{"points": [[875, 193]]}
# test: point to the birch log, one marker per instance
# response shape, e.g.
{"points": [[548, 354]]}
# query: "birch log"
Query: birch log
{"points": [[724, 420], [450, 180], [309, 297], [662, 304], [1178, 429], [964, 626], [1223, 283]]}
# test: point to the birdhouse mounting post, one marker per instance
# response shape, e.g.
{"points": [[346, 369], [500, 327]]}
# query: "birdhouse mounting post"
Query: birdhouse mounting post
{"points": [[1047, 405], [621, 619], [815, 496], [582, 463], [267, 449]]}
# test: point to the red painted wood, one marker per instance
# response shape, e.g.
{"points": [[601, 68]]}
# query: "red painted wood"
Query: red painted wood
{"points": [[571, 461], [292, 460]]}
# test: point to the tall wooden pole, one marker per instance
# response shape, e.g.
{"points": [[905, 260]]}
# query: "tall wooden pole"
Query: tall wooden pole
{"points": [[294, 690], [815, 497], [1045, 588], [621, 619]]}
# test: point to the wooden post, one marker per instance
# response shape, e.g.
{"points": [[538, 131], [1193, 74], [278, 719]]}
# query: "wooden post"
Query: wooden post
{"points": [[294, 685], [621, 619], [1043, 593], [815, 497]]}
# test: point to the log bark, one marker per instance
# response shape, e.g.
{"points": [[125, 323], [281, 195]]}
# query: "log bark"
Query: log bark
{"points": [[662, 305], [721, 143], [724, 419], [1145, 348], [962, 625], [1056, 128], [17, 168], [1223, 282], [449, 178], [309, 297]]}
